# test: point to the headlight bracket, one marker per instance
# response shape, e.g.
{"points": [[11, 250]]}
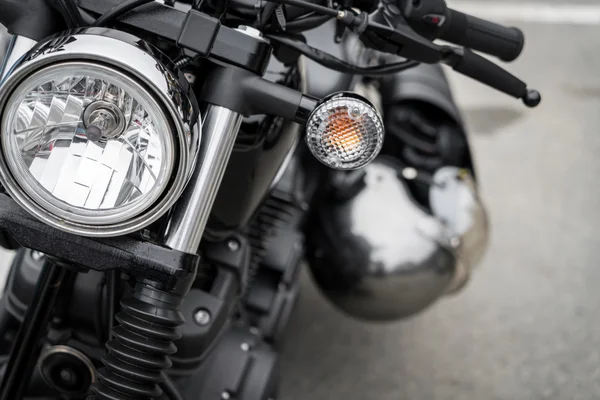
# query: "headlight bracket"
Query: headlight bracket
{"points": [[140, 258]]}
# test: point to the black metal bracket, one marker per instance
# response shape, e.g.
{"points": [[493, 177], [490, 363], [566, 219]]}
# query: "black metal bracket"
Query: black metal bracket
{"points": [[136, 257], [207, 311], [193, 31], [250, 94]]}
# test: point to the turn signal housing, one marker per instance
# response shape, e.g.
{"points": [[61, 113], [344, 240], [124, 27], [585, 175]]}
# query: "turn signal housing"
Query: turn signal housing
{"points": [[345, 131]]}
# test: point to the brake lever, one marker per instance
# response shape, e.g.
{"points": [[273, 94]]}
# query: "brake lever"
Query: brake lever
{"points": [[397, 37], [485, 71], [393, 35]]}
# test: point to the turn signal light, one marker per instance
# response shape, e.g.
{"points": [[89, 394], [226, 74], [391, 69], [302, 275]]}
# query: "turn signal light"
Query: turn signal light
{"points": [[345, 131]]}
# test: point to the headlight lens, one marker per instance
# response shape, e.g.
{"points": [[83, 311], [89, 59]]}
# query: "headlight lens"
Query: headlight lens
{"points": [[88, 142]]}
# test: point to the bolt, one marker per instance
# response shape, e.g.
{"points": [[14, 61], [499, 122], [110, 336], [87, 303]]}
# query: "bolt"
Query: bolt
{"points": [[233, 245], [146, 234], [37, 255], [245, 346], [191, 78], [356, 112], [225, 395], [409, 173], [67, 376], [202, 317]]}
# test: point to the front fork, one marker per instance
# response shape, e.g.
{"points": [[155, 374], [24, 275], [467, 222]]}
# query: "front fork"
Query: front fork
{"points": [[137, 357]]}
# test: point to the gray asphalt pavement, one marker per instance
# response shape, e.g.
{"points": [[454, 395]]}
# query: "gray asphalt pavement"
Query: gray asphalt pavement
{"points": [[528, 325]]}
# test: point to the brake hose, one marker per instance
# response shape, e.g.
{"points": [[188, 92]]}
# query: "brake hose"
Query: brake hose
{"points": [[119, 10]]}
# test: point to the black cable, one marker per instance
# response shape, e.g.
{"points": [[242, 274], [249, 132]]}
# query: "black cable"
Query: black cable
{"points": [[70, 12], [306, 23], [118, 11], [336, 64], [170, 389], [5, 317], [111, 293], [308, 6], [222, 6], [98, 313], [266, 13]]}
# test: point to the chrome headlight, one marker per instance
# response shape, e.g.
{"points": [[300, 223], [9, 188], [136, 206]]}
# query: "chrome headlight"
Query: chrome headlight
{"points": [[98, 133]]}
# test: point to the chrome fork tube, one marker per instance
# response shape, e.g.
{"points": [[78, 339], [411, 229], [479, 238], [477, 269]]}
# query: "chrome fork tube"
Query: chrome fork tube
{"points": [[191, 212], [17, 48]]}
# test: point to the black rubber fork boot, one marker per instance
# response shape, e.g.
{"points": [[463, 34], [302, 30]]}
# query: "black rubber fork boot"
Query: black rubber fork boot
{"points": [[140, 346]]}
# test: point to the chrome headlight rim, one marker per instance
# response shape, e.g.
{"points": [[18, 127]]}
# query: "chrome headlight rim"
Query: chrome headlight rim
{"points": [[76, 214], [154, 73]]}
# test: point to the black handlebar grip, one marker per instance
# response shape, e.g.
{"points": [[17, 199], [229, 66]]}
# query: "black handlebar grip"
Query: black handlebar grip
{"points": [[485, 36], [480, 68]]}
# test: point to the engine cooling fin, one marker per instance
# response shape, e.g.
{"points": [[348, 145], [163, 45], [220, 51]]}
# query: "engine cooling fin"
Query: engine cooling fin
{"points": [[275, 213]]}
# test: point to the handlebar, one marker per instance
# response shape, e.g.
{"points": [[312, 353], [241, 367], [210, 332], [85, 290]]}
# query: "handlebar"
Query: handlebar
{"points": [[435, 20], [400, 31], [408, 32], [485, 36]]}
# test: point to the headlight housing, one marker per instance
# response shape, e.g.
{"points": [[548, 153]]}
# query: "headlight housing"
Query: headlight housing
{"points": [[99, 134]]}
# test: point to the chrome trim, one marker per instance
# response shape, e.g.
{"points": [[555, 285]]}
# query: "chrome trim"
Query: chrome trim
{"points": [[142, 62], [191, 212], [18, 47]]}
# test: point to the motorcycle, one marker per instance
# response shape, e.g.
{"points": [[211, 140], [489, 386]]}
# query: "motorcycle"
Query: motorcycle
{"points": [[168, 166]]}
